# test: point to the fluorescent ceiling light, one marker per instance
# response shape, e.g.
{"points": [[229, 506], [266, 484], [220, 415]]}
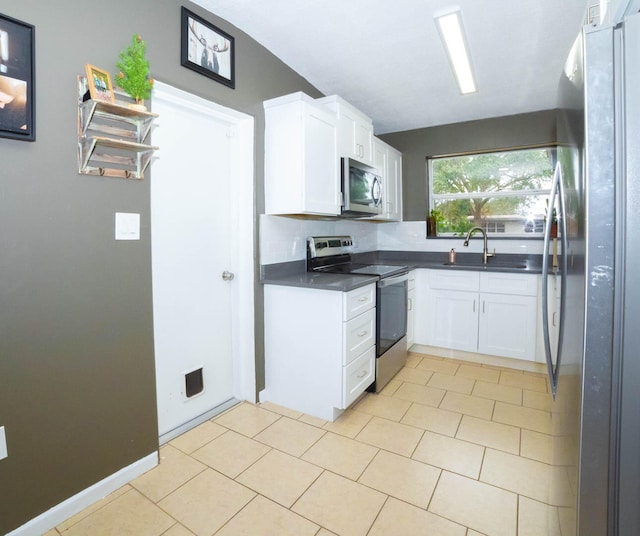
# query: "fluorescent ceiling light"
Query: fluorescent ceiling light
{"points": [[452, 34]]}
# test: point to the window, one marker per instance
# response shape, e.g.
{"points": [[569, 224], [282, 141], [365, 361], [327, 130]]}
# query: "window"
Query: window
{"points": [[505, 192]]}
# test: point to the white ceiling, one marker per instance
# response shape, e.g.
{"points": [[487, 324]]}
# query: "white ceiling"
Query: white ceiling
{"points": [[386, 58]]}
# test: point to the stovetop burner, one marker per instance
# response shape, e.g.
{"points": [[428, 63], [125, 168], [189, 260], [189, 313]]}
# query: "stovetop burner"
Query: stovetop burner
{"points": [[332, 254], [383, 270]]}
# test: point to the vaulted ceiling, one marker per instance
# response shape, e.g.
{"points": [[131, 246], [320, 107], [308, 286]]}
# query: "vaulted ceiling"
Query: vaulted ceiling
{"points": [[386, 57]]}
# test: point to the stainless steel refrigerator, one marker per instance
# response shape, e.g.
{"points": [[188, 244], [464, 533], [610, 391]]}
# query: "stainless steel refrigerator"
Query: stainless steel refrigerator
{"points": [[594, 363]]}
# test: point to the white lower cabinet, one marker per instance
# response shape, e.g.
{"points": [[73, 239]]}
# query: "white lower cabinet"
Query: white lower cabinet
{"points": [[554, 283], [489, 313], [319, 348]]}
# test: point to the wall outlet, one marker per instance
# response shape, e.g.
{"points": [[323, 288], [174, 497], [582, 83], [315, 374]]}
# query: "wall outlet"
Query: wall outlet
{"points": [[3, 443]]}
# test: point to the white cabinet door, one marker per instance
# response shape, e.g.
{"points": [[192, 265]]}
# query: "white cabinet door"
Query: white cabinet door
{"points": [[452, 318], [393, 188], [302, 170], [355, 129], [362, 138], [507, 326], [388, 161]]}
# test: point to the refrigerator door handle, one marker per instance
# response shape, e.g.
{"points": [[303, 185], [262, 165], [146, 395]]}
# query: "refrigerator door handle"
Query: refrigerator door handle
{"points": [[564, 272], [545, 277]]}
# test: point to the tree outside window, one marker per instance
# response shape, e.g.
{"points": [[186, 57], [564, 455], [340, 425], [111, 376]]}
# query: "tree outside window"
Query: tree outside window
{"points": [[503, 192]]}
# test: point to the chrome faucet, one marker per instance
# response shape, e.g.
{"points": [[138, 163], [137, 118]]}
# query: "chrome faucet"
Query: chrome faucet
{"points": [[485, 251]]}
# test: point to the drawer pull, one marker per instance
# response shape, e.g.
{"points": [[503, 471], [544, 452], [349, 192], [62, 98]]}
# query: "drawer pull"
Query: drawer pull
{"points": [[362, 333], [362, 374], [363, 299]]}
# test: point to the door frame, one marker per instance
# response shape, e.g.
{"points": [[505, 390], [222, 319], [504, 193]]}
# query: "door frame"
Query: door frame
{"points": [[241, 137]]}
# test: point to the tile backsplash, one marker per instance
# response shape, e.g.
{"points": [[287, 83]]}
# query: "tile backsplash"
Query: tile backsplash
{"points": [[283, 239]]}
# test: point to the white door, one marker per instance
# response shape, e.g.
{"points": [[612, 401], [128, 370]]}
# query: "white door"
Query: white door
{"points": [[192, 229]]}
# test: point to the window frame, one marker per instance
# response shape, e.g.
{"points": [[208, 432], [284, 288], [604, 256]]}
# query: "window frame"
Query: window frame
{"points": [[494, 195]]}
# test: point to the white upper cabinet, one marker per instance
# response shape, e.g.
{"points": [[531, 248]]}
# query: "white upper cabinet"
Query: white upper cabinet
{"points": [[355, 139], [389, 162], [302, 167]]}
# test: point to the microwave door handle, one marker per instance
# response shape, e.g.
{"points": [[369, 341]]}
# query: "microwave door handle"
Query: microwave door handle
{"points": [[376, 192]]}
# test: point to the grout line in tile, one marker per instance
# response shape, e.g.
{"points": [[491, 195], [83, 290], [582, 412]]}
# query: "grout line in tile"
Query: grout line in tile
{"points": [[435, 488], [378, 514], [484, 455], [241, 509]]}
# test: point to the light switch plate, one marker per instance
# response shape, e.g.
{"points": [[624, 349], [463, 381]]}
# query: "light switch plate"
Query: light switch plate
{"points": [[127, 226], [3, 444]]}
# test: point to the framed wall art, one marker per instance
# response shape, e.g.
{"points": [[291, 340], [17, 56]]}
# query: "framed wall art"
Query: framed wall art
{"points": [[99, 83], [206, 49], [17, 79]]}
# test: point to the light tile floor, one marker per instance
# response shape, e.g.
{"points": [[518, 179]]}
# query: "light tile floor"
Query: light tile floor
{"points": [[447, 449]]}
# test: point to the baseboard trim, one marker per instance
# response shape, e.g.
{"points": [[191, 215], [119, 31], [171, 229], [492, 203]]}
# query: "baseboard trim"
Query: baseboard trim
{"points": [[505, 362], [171, 434], [59, 513]]}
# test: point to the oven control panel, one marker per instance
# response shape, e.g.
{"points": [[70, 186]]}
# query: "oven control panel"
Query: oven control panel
{"points": [[323, 246]]}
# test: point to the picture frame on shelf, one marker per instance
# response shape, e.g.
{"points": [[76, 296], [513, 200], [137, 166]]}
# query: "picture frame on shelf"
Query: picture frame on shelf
{"points": [[207, 49], [17, 79], [99, 83]]}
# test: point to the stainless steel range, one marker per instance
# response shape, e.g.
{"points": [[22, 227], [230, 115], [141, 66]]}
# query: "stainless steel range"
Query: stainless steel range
{"points": [[333, 254]]}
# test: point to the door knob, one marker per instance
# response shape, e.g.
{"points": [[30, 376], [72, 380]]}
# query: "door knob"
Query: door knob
{"points": [[227, 276]]}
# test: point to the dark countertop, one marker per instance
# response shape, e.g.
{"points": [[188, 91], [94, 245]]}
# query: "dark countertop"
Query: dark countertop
{"points": [[294, 273], [339, 282]]}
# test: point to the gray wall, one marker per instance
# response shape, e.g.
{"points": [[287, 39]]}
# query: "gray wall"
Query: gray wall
{"points": [[77, 387], [537, 128]]}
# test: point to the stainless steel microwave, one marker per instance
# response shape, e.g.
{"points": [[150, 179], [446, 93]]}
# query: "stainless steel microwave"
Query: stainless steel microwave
{"points": [[361, 189]]}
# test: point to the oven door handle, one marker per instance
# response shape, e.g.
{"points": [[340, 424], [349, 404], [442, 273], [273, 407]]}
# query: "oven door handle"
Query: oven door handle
{"points": [[393, 280]]}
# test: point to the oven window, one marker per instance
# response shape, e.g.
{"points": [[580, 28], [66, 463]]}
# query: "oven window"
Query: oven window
{"points": [[392, 315]]}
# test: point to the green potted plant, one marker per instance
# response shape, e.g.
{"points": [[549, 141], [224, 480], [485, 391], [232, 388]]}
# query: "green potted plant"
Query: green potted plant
{"points": [[133, 75], [432, 222]]}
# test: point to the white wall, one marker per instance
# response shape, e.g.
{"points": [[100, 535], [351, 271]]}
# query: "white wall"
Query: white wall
{"points": [[283, 239]]}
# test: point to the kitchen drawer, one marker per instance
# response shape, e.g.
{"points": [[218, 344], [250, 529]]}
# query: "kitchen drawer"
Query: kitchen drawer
{"points": [[358, 301], [519, 284], [357, 376], [359, 335], [454, 280]]}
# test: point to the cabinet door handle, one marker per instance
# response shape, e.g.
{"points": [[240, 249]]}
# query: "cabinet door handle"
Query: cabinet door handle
{"points": [[362, 374], [410, 303], [474, 306], [363, 299], [362, 333], [483, 302], [553, 319]]}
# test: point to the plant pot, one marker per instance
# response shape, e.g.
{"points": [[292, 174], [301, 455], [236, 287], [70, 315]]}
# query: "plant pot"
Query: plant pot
{"points": [[139, 106], [432, 226]]}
